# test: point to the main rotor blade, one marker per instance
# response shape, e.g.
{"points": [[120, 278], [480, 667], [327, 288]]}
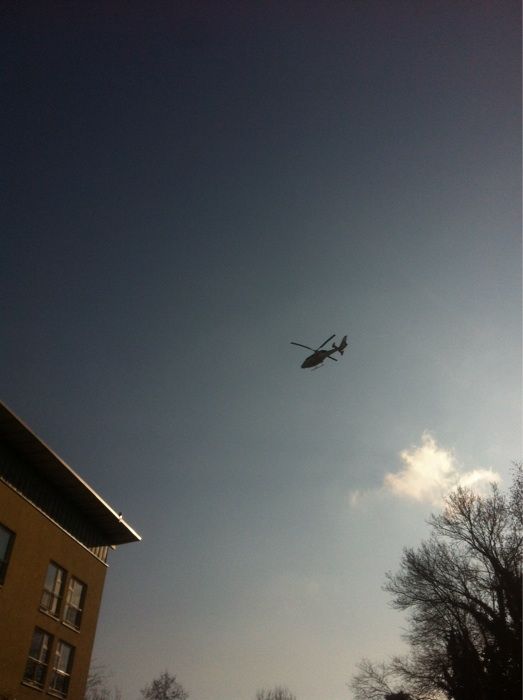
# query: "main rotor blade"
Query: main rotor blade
{"points": [[332, 358], [325, 343], [303, 346]]}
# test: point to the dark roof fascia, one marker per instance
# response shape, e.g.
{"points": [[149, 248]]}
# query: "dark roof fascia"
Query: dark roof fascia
{"points": [[77, 491]]}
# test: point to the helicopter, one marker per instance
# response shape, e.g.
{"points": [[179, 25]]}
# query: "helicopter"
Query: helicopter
{"points": [[319, 355]]}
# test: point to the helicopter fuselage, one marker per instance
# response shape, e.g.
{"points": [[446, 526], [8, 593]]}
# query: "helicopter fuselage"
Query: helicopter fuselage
{"points": [[316, 358]]}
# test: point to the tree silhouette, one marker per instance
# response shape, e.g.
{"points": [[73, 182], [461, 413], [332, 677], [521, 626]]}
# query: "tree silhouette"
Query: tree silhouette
{"points": [[165, 687], [98, 684], [462, 590], [277, 693]]}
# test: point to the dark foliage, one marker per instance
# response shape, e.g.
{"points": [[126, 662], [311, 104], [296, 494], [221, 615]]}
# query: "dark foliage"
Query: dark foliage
{"points": [[165, 687], [277, 693], [462, 589]]}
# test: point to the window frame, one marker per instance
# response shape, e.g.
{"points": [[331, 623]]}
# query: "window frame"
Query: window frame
{"points": [[4, 561], [61, 676], [40, 663], [68, 605], [56, 598]]}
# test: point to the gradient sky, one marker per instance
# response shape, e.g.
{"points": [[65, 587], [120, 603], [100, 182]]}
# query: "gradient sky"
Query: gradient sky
{"points": [[187, 187]]}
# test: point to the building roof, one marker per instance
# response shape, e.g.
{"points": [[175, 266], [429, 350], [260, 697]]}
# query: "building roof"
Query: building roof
{"points": [[21, 439]]}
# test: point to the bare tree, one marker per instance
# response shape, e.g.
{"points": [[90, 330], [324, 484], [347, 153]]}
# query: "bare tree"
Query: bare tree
{"points": [[462, 590], [374, 681], [98, 684], [165, 687], [277, 693]]}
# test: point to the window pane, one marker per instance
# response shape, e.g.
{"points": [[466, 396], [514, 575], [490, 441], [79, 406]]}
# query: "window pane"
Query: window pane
{"points": [[63, 657], [39, 645], [54, 578], [36, 666], [53, 589], [5, 539], [74, 603], [76, 593], [6, 543], [63, 661]]}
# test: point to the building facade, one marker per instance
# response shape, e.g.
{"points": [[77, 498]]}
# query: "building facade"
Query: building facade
{"points": [[55, 535]]}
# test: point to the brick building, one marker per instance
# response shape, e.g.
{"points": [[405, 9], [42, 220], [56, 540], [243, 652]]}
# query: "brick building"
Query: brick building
{"points": [[55, 535]]}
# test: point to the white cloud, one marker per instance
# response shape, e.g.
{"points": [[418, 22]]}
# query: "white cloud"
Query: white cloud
{"points": [[427, 474], [430, 472]]}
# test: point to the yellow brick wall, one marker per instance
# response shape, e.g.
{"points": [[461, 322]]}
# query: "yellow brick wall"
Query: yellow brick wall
{"points": [[38, 541]]}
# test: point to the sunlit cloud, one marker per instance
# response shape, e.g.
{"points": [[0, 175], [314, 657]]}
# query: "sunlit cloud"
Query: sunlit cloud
{"points": [[428, 472]]}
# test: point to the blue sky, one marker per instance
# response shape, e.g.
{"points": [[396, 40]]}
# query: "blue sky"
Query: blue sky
{"points": [[187, 190]]}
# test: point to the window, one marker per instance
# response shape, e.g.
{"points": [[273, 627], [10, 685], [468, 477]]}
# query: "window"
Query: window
{"points": [[74, 602], [61, 674], [6, 545], [36, 666], [53, 589]]}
